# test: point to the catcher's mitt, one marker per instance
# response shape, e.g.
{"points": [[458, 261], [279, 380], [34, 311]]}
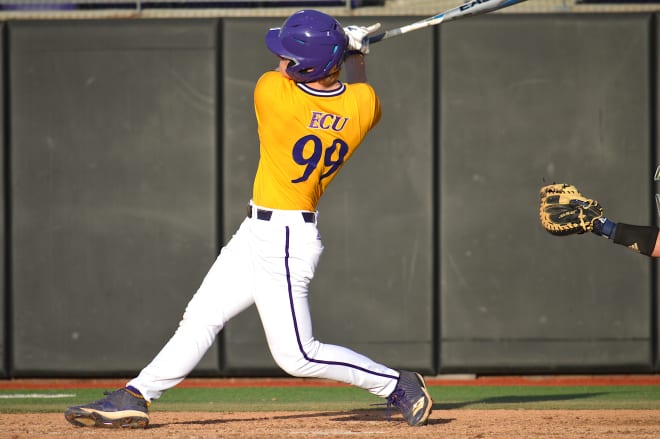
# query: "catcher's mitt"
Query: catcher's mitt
{"points": [[565, 211]]}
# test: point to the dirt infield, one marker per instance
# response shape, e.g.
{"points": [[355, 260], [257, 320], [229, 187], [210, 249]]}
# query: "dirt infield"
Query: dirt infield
{"points": [[445, 421], [458, 424]]}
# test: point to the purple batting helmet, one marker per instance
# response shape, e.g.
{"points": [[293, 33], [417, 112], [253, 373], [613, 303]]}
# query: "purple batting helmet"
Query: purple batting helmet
{"points": [[313, 41]]}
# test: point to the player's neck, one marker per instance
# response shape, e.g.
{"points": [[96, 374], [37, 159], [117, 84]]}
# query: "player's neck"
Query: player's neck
{"points": [[329, 83]]}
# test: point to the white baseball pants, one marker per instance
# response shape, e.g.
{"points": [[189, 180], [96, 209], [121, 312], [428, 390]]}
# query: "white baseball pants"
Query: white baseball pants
{"points": [[269, 263]]}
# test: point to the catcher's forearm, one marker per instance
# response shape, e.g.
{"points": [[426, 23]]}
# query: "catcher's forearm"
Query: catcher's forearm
{"points": [[656, 249], [641, 239]]}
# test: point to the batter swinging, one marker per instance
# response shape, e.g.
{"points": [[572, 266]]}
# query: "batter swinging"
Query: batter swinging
{"points": [[310, 124]]}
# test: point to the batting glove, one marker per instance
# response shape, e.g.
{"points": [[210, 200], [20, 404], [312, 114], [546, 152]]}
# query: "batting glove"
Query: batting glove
{"points": [[357, 37]]}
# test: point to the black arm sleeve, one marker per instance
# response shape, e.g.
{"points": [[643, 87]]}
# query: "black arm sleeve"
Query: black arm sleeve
{"points": [[637, 238]]}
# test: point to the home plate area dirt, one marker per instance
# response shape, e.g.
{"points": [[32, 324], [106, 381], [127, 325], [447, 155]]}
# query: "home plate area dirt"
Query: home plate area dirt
{"points": [[459, 424]]}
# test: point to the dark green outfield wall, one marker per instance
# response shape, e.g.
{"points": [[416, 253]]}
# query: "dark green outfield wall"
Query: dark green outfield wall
{"points": [[129, 150]]}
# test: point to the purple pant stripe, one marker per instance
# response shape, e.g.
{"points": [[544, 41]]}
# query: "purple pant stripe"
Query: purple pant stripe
{"points": [[295, 323]]}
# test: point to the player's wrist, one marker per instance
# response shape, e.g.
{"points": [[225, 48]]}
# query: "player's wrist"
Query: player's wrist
{"points": [[353, 52], [604, 227]]}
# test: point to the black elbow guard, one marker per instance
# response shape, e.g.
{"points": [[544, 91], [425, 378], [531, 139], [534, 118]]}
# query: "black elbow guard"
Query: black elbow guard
{"points": [[640, 239]]}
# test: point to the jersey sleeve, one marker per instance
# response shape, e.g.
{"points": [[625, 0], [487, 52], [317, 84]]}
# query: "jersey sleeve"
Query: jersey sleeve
{"points": [[269, 90], [369, 103]]}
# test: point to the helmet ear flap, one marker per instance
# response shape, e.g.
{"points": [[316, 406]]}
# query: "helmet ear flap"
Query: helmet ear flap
{"points": [[293, 70]]}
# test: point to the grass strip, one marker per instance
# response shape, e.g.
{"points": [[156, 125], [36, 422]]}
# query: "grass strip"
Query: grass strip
{"points": [[349, 398]]}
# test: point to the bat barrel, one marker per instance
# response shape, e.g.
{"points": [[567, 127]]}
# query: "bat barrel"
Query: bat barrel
{"points": [[470, 8]]}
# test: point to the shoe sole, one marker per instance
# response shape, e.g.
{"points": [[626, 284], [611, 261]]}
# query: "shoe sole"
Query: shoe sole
{"points": [[82, 418]]}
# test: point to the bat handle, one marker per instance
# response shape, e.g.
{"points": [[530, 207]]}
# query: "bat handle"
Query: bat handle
{"points": [[376, 38], [385, 35]]}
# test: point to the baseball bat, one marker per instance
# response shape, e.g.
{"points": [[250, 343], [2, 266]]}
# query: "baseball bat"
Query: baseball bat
{"points": [[470, 8]]}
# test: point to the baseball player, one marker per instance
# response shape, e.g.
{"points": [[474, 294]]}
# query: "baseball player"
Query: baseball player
{"points": [[310, 123], [565, 211]]}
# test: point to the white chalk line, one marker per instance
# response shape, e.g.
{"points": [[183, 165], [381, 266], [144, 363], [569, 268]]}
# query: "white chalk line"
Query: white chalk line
{"points": [[36, 395]]}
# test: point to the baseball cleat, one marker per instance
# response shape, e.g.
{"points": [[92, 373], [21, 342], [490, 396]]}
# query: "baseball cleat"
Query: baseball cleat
{"points": [[411, 397], [123, 408]]}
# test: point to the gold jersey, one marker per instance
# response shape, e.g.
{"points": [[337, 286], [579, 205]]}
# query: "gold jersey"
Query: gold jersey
{"points": [[306, 136]]}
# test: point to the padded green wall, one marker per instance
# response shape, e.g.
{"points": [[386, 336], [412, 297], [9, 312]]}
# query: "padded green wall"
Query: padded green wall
{"points": [[113, 188], [525, 102], [132, 147]]}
